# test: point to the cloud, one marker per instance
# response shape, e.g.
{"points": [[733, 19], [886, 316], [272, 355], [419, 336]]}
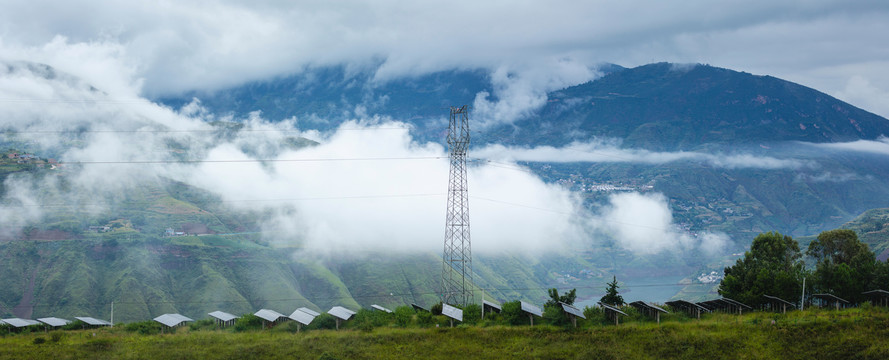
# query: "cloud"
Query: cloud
{"points": [[172, 47], [367, 186], [600, 150], [643, 223], [879, 146]]}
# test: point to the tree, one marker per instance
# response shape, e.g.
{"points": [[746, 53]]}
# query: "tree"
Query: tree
{"points": [[612, 297], [880, 280], [552, 310], [845, 265], [555, 299], [773, 266]]}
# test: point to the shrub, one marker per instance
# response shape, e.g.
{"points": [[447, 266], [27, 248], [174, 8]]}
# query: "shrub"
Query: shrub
{"points": [[147, 327], [436, 309], [512, 314], [38, 340], [424, 318], [56, 336], [248, 322], [472, 313], [323, 321], [403, 315], [204, 324]]}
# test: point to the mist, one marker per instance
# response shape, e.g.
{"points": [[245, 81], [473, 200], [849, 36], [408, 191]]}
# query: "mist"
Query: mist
{"points": [[366, 186], [609, 151]]}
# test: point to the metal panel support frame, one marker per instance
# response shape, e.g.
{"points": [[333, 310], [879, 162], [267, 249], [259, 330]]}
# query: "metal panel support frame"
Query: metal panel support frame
{"points": [[456, 272]]}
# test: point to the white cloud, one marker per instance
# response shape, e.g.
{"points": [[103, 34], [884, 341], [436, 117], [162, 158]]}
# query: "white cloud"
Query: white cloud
{"points": [[609, 151], [176, 46], [366, 186], [643, 223], [879, 146]]}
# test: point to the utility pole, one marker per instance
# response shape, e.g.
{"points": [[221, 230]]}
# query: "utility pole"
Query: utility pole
{"points": [[112, 314], [456, 271]]}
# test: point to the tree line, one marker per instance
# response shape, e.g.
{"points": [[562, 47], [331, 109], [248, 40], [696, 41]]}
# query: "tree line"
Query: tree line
{"points": [[839, 264]]}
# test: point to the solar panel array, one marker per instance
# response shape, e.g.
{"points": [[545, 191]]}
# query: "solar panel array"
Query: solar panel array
{"points": [[222, 316], [172, 320], [54, 322], [380, 308], [531, 309], [572, 310], [93, 321], [341, 312], [489, 305], [269, 315], [452, 312], [16, 322], [309, 311], [302, 317], [612, 308]]}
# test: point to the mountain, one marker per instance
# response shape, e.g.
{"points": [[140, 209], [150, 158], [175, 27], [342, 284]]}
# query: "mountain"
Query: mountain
{"points": [[69, 263], [683, 107]]}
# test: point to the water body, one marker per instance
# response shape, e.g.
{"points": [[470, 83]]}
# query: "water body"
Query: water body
{"points": [[649, 289]]}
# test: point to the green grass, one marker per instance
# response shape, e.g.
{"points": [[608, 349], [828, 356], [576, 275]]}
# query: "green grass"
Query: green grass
{"points": [[848, 334]]}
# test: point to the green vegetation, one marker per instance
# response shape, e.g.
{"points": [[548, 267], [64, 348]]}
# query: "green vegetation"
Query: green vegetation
{"points": [[773, 267], [612, 297], [851, 333], [845, 266]]}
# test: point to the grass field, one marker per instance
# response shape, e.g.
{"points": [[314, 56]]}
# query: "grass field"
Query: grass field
{"points": [[849, 334]]}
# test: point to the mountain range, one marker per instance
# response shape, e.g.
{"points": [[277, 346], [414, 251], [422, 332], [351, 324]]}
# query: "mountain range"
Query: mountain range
{"points": [[733, 153]]}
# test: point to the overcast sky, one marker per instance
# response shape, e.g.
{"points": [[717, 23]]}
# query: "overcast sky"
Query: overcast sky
{"points": [[166, 47]]}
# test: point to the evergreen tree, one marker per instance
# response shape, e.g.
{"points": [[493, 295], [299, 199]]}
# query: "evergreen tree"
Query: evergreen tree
{"points": [[612, 297], [555, 299]]}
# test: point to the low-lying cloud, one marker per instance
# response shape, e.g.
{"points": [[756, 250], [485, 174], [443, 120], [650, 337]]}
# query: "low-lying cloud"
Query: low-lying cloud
{"points": [[879, 146], [365, 187], [643, 223], [609, 152]]}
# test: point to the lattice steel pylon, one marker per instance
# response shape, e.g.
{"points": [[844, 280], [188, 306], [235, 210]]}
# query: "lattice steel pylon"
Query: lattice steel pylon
{"points": [[456, 271]]}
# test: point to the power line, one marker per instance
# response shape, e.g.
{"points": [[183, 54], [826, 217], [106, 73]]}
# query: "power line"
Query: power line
{"points": [[118, 162], [147, 131]]}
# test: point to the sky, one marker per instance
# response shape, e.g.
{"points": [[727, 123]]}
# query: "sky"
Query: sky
{"points": [[158, 48], [134, 51]]}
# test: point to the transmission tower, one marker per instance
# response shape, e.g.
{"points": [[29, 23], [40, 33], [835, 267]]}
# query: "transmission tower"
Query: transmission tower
{"points": [[456, 271]]}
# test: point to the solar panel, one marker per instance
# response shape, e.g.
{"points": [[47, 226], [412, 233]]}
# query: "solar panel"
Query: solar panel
{"points": [[736, 303], [779, 300], [572, 310], [16, 322], [612, 308], [341, 312], [309, 311], [531, 309], [302, 317], [93, 321], [452, 312], [172, 320], [269, 315], [222, 316], [54, 322], [490, 305], [380, 308], [645, 305]]}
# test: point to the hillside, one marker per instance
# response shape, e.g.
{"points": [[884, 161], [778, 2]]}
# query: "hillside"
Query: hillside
{"points": [[683, 107], [161, 244], [848, 334], [872, 229]]}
